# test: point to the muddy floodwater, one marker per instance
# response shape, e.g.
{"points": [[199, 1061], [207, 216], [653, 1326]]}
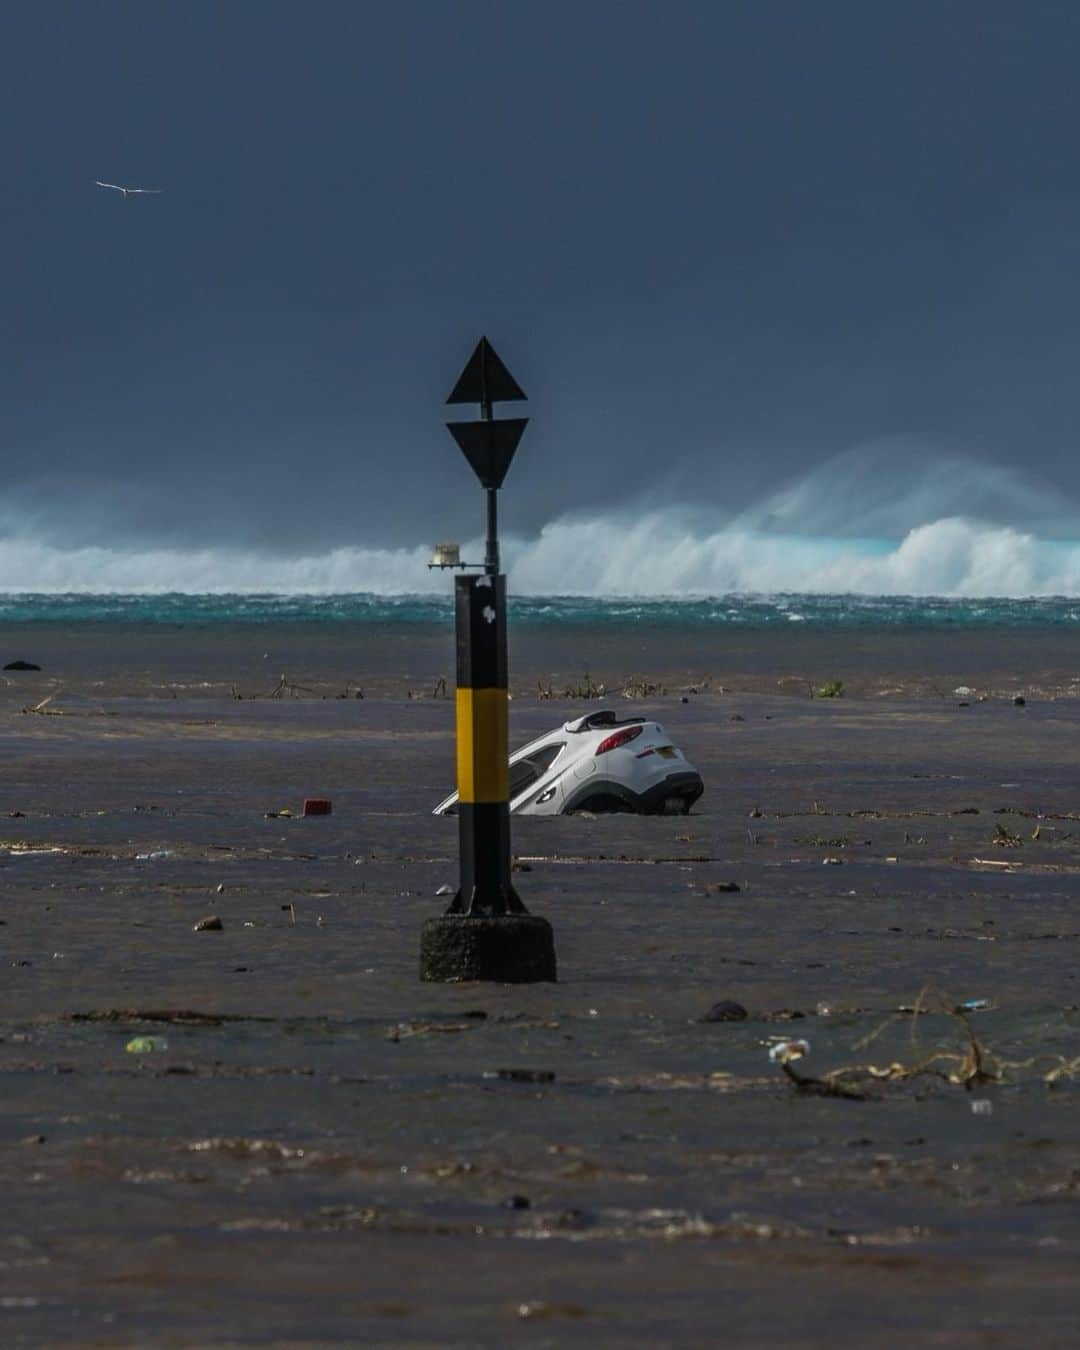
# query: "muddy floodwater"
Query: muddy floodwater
{"points": [[272, 1133]]}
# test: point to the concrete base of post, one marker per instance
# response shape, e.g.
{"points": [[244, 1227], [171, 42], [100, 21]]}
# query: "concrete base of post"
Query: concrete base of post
{"points": [[503, 949]]}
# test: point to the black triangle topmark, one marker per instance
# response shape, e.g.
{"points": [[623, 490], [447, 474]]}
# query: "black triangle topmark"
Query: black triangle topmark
{"points": [[485, 379], [489, 446]]}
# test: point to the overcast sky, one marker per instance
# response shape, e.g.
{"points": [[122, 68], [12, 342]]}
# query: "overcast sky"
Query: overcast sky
{"points": [[717, 244]]}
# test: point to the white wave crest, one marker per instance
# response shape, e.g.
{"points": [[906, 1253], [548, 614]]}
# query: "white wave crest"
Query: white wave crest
{"points": [[30, 566], [661, 553], [886, 519]]}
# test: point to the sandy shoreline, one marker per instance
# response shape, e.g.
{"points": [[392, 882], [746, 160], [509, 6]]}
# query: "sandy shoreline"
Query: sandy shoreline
{"points": [[327, 1155]]}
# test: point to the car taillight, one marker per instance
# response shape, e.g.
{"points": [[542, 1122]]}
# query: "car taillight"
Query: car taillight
{"points": [[618, 738]]}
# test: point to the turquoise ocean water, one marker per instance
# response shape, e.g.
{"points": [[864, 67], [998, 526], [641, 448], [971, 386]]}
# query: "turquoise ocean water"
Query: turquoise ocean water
{"points": [[724, 611]]}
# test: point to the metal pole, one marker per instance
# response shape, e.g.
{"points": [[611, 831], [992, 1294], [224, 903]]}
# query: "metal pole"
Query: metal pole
{"points": [[491, 553]]}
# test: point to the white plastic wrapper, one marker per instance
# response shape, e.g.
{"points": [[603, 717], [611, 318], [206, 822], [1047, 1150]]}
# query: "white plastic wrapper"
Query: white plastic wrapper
{"points": [[785, 1051]]}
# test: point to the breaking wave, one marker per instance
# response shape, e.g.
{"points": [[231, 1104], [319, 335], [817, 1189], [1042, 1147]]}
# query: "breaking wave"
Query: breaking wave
{"points": [[661, 553], [877, 521]]}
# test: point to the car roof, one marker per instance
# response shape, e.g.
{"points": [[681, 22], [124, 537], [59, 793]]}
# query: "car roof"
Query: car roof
{"points": [[600, 719]]}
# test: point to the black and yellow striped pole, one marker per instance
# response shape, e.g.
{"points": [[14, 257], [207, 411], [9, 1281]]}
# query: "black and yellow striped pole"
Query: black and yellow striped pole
{"points": [[483, 749], [487, 933]]}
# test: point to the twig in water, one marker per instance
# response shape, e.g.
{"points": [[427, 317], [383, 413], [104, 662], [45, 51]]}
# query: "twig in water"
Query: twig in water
{"points": [[43, 708]]}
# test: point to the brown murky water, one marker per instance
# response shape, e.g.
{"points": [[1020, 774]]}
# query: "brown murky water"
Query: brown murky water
{"points": [[324, 1151]]}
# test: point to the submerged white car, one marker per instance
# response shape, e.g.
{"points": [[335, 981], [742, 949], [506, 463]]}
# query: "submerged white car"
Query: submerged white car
{"points": [[599, 763]]}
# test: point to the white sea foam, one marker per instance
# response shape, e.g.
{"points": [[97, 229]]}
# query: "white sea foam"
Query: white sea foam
{"points": [[32, 566], [869, 523], [657, 554]]}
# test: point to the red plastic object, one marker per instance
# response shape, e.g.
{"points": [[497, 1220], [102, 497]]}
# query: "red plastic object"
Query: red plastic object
{"points": [[317, 806]]}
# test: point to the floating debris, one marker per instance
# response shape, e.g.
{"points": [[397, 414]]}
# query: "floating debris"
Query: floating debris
{"points": [[404, 1030], [727, 1010], [523, 1075], [146, 1045], [783, 1052]]}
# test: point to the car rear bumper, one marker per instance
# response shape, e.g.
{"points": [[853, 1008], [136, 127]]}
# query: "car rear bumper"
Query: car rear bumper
{"points": [[685, 787]]}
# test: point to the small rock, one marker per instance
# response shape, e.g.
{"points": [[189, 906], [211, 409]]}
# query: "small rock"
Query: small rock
{"points": [[21, 665], [736, 717], [1019, 700], [727, 1010], [211, 924], [517, 1202]]}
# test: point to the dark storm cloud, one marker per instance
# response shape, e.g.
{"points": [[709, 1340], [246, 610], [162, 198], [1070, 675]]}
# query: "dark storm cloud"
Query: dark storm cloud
{"points": [[717, 244]]}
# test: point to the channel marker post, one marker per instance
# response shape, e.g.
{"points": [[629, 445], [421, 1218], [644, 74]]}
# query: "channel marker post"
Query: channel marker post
{"points": [[487, 933]]}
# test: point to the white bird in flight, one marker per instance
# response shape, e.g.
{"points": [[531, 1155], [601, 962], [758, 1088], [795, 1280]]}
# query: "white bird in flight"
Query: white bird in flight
{"points": [[128, 192]]}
